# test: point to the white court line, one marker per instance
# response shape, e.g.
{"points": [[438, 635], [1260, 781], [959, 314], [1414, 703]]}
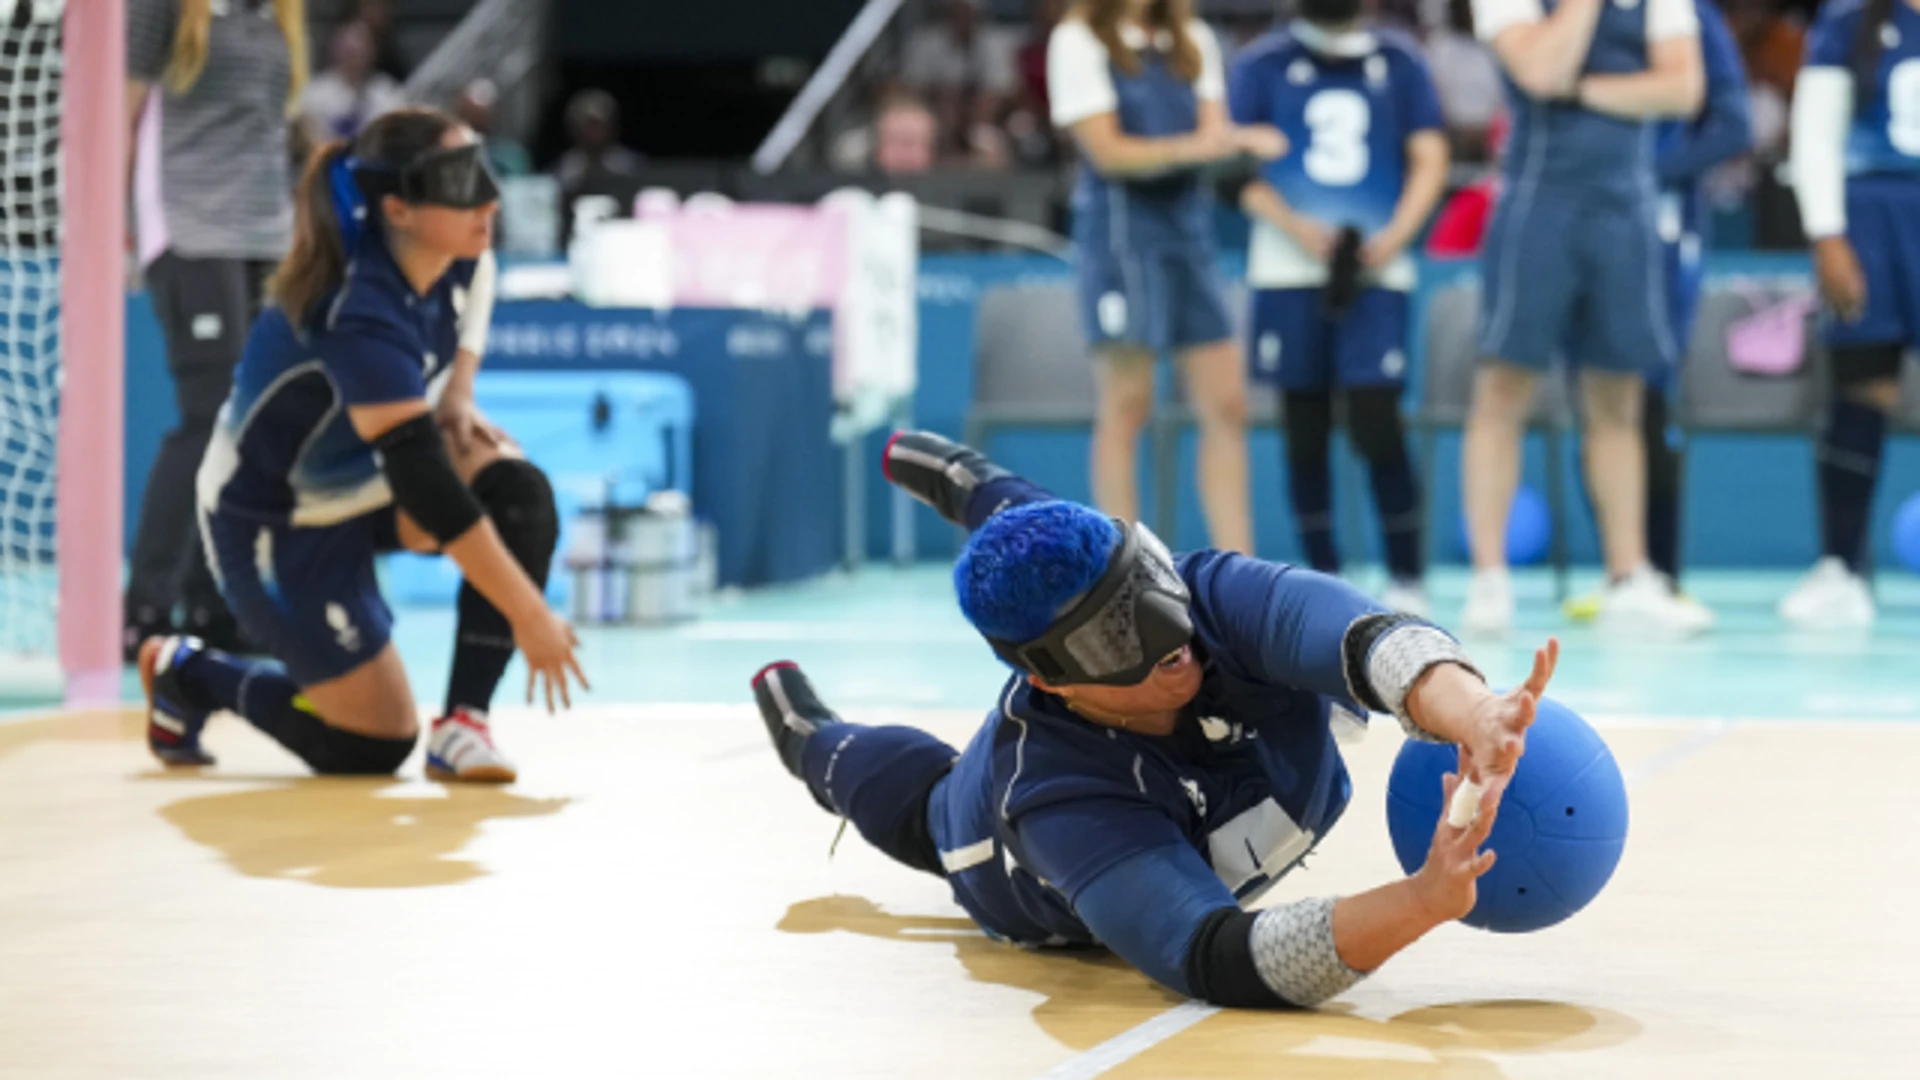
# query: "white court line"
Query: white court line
{"points": [[1139, 1039], [1131, 1043]]}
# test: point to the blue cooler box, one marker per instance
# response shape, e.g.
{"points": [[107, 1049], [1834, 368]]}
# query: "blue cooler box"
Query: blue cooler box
{"points": [[618, 434]]}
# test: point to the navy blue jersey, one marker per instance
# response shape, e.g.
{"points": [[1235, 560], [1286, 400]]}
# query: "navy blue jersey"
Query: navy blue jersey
{"points": [[1687, 149], [1885, 137], [1123, 215], [283, 450], [1347, 118], [1251, 778], [1567, 148]]}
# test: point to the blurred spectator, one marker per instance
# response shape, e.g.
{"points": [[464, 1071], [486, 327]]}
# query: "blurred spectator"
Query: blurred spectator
{"points": [[377, 15], [965, 69], [905, 135], [340, 100], [1772, 42], [475, 109], [596, 163], [1771, 45], [1467, 76], [1033, 136]]}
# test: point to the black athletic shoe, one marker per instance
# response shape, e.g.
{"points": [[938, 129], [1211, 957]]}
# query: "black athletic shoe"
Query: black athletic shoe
{"points": [[938, 471], [791, 709]]}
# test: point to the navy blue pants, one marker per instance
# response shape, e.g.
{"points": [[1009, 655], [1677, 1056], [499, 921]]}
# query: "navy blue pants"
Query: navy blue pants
{"points": [[879, 778]]}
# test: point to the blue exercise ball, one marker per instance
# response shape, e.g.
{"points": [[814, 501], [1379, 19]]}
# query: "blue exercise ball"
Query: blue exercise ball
{"points": [[1561, 829], [1906, 533], [1529, 528]]}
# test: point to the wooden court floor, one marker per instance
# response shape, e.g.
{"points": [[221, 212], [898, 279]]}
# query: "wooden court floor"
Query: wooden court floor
{"points": [[657, 899]]}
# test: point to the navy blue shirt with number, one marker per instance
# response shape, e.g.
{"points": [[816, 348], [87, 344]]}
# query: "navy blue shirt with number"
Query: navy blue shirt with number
{"points": [[1043, 801], [1885, 136], [1347, 120]]}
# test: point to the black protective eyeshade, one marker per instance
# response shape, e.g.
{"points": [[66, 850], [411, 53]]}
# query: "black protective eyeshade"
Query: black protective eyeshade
{"points": [[457, 178]]}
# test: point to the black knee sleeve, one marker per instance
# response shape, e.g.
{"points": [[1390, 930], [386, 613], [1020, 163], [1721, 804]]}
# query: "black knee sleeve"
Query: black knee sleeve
{"points": [[519, 499], [1308, 418], [1373, 422], [334, 752]]}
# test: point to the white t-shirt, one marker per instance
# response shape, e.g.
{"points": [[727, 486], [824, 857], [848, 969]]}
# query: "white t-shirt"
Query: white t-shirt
{"points": [[1080, 84], [1666, 19], [340, 111]]}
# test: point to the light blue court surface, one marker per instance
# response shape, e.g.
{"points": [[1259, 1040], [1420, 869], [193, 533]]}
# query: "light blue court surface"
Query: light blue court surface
{"points": [[887, 637]]}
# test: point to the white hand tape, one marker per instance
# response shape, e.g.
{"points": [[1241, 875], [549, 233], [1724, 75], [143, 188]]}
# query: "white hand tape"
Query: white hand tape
{"points": [[1465, 806]]}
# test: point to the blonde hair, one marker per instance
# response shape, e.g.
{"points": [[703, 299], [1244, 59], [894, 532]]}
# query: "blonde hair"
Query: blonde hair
{"points": [[1173, 16], [190, 35]]}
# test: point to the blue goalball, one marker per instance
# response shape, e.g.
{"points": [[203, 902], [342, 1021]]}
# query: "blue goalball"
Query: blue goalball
{"points": [[1906, 533], [1529, 528], [1561, 829]]}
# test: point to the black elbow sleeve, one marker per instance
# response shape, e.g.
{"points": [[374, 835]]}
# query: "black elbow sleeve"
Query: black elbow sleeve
{"points": [[421, 475], [1220, 964]]}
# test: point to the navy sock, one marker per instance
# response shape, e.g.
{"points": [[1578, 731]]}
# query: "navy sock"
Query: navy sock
{"points": [[880, 778], [1398, 502], [1849, 455], [1663, 486], [262, 694], [1310, 486], [999, 493]]}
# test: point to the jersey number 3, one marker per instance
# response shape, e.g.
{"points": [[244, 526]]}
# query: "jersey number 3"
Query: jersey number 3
{"points": [[1338, 121], [1903, 107]]}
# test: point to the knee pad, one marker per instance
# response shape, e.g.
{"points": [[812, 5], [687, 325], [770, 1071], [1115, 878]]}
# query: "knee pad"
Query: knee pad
{"points": [[1308, 419], [346, 753], [1373, 422], [519, 499]]}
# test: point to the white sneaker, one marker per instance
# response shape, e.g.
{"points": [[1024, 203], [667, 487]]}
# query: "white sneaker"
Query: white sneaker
{"points": [[1645, 603], [1408, 597], [1489, 610], [461, 749], [1830, 597]]}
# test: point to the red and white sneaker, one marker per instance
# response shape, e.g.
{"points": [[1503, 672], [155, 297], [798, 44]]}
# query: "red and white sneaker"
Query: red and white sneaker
{"points": [[460, 749]]}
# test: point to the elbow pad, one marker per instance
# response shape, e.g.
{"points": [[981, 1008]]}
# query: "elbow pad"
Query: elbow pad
{"points": [[1386, 654], [1281, 956], [421, 476]]}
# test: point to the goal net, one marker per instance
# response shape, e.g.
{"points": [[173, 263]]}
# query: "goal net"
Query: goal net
{"points": [[59, 426]]}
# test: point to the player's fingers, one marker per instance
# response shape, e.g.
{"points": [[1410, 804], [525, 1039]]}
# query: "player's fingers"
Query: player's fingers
{"points": [[1544, 661], [573, 663], [548, 683], [530, 677], [1484, 863]]}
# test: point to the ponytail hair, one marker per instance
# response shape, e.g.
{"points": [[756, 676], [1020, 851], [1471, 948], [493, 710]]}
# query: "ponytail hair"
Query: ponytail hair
{"points": [[330, 212], [316, 263], [1867, 49]]}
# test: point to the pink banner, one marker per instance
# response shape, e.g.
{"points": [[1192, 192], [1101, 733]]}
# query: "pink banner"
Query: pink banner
{"points": [[754, 255]]}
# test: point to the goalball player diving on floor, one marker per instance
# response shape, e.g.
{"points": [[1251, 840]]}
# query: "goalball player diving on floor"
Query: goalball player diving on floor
{"points": [[1162, 753]]}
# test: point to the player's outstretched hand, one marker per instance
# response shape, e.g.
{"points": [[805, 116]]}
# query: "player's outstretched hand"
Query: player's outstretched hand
{"points": [[1498, 732], [1448, 882], [548, 642]]}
